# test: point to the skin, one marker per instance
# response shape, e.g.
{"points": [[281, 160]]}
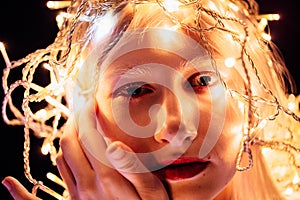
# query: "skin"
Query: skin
{"points": [[173, 135], [171, 126]]}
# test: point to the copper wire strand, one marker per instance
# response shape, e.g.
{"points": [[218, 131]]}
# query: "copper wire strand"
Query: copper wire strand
{"points": [[64, 46]]}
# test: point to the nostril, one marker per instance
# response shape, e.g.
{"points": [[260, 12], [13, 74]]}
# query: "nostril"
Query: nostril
{"points": [[189, 137]]}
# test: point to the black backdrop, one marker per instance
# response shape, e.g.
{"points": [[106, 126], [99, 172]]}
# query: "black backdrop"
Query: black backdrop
{"points": [[29, 25]]}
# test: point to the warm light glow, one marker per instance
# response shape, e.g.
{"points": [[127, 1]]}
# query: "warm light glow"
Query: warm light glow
{"points": [[229, 62], [56, 179], [292, 102], [4, 54], [262, 24], [266, 151], [60, 106], [172, 5], [292, 105], [212, 6], [241, 106], [103, 27], [274, 17], [166, 39], [270, 63], [241, 37], [269, 17], [41, 114], [51, 100], [233, 6], [296, 179], [46, 148], [288, 191], [260, 126], [60, 19], [58, 4], [266, 36]]}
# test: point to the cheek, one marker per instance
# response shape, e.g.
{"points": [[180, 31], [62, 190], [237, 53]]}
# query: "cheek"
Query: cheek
{"points": [[127, 128], [230, 141], [226, 150]]}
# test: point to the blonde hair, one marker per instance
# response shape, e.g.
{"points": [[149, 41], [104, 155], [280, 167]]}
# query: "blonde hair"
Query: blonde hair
{"points": [[266, 70], [214, 24]]}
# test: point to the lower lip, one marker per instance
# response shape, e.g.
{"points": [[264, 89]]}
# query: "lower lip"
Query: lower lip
{"points": [[181, 171]]}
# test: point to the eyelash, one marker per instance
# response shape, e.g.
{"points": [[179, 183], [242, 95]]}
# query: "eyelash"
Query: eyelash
{"points": [[201, 80], [136, 90], [133, 90]]}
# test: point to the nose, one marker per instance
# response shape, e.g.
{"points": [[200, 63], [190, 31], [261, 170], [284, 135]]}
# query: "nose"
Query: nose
{"points": [[179, 126]]}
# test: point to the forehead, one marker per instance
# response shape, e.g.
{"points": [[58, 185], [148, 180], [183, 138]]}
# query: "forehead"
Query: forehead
{"points": [[145, 45], [149, 27], [169, 47]]}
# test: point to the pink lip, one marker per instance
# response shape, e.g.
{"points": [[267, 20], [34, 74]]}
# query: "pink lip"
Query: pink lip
{"points": [[182, 168]]}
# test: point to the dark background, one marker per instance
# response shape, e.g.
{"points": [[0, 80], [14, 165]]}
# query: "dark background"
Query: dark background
{"points": [[29, 25]]}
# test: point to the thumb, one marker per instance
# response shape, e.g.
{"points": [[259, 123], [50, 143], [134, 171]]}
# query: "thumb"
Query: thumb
{"points": [[17, 190], [127, 163]]}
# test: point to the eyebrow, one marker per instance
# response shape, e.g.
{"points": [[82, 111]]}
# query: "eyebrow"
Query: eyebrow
{"points": [[203, 63], [132, 69]]}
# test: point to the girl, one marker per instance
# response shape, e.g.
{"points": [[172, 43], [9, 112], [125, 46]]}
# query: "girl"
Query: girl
{"points": [[165, 100]]}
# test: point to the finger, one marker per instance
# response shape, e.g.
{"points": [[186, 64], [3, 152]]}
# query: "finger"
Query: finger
{"points": [[127, 163], [74, 160], [94, 146], [91, 135], [17, 190], [66, 173]]}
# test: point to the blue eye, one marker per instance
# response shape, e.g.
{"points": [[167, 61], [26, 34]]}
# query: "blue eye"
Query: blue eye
{"points": [[202, 80], [133, 90]]}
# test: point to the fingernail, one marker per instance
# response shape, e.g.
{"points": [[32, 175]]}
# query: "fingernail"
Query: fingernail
{"points": [[7, 184]]}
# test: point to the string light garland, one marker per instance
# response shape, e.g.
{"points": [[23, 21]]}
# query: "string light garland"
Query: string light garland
{"points": [[47, 122]]}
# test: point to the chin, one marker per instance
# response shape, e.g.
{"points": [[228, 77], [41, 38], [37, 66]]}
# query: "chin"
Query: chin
{"points": [[200, 187]]}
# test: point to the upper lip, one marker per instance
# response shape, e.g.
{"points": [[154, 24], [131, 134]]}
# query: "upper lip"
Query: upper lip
{"points": [[181, 168], [184, 160]]}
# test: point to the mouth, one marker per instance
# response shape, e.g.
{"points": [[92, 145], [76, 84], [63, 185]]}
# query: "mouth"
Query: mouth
{"points": [[182, 168]]}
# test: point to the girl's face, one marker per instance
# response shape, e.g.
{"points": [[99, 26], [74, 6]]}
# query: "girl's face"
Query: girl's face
{"points": [[160, 94]]}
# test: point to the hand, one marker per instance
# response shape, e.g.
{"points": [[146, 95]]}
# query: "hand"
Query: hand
{"points": [[17, 190], [88, 178]]}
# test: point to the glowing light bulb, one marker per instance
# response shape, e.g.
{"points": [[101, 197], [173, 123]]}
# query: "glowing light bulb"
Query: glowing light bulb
{"points": [[262, 24], [272, 17], [4, 54], [104, 26], [212, 6], [46, 148], [58, 4], [172, 5], [60, 18], [296, 179], [229, 62], [241, 37], [41, 114], [266, 36], [289, 191], [265, 151], [292, 103], [56, 179], [47, 66], [269, 17], [270, 63], [241, 106], [233, 6]]}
